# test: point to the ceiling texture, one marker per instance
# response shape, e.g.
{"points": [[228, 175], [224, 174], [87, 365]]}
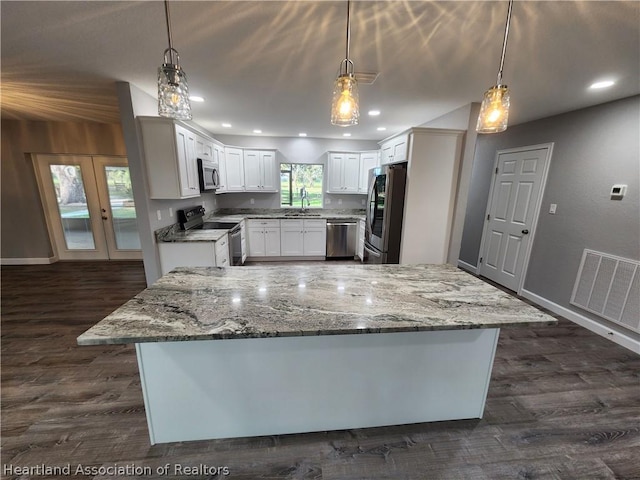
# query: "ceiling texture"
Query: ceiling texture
{"points": [[270, 65]]}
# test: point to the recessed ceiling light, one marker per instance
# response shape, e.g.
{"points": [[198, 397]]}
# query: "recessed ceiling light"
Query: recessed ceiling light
{"points": [[226, 125], [381, 129], [346, 134], [257, 131], [374, 113], [602, 84], [302, 134], [194, 98]]}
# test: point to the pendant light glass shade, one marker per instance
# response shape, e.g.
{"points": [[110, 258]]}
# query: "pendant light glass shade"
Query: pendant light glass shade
{"points": [[173, 90], [494, 112], [345, 109], [345, 105]]}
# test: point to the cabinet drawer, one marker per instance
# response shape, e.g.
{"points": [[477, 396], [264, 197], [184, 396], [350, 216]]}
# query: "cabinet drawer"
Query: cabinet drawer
{"points": [[315, 223], [258, 222]]}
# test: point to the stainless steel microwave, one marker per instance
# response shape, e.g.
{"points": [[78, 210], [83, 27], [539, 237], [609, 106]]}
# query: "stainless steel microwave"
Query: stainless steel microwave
{"points": [[208, 175]]}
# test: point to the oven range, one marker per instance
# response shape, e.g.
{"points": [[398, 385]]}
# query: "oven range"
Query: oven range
{"points": [[192, 219]]}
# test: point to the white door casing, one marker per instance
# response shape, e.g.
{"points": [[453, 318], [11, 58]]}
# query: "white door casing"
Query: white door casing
{"points": [[512, 213]]}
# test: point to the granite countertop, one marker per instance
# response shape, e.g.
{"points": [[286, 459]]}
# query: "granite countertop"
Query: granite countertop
{"points": [[173, 233], [279, 301]]}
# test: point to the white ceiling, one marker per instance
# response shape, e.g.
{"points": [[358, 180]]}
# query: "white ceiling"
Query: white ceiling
{"points": [[271, 65]]}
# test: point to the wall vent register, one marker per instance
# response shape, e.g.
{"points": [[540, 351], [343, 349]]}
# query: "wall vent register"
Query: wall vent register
{"points": [[609, 286]]}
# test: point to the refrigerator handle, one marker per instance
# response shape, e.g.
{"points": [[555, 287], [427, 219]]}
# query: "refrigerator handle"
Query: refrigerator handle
{"points": [[373, 203]]}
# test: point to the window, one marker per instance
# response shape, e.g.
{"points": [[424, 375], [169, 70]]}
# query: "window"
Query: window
{"points": [[296, 180]]}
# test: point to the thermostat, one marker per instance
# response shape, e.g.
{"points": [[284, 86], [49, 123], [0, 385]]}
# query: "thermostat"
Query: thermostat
{"points": [[618, 191]]}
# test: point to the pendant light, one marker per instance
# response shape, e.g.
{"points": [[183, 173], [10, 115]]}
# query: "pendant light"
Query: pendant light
{"points": [[345, 110], [173, 91], [494, 112]]}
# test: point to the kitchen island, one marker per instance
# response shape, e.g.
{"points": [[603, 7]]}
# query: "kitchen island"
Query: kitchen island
{"points": [[272, 350]]}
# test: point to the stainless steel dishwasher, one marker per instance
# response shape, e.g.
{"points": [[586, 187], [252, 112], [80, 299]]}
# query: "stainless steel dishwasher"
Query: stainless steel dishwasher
{"points": [[342, 236]]}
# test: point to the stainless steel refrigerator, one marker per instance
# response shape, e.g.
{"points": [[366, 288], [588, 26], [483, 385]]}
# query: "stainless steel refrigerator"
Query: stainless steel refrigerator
{"points": [[385, 208]]}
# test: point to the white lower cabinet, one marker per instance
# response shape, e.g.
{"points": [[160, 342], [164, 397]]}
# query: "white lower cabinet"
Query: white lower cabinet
{"points": [[361, 229], [264, 238], [194, 254], [300, 238]]}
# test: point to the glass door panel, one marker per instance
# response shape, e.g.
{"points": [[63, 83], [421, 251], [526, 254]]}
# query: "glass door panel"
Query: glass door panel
{"points": [[118, 208], [71, 200], [123, 209]]}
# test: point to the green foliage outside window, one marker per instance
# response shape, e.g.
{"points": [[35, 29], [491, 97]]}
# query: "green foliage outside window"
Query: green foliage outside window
{"points": [[296, 176]]}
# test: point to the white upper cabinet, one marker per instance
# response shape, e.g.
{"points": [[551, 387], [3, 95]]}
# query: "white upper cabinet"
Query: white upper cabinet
{"points": [[260, 171], [234, 169], [343, 172], [170, 158], [219, 157], [368, 160], [204, 148], [394, 150]]}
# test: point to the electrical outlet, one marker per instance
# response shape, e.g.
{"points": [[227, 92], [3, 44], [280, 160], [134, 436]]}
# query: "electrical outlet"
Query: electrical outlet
{"points": [[170, 212], [552, 208], [159, 214]]}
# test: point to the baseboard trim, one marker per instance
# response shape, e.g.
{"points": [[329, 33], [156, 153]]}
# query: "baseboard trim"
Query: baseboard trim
{"points": [[28, 261], [467, 266], [616, 336]]}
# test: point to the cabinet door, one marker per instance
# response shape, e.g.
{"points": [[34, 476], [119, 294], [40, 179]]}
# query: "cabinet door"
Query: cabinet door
{"points": [[386, 153], [334, 175], [269, 171], [351, 173], [368, 160], [315, 241], [272, 241], [192, 164], [234, 169], [256, 241], [400, 149], [252, 174], [222, 252], [219, 156], [186, 254], [185, 148], [291, 238]]}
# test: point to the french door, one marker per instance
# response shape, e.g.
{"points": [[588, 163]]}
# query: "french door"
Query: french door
{"points": [[89, 208]]}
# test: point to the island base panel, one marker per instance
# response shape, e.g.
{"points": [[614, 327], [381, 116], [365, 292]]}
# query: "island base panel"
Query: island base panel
{"points": [[209, 389]]}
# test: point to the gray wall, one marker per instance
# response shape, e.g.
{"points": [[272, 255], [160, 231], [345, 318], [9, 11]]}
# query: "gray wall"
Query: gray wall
{"points": [[594, 148], [20, 200], [293, 150]]}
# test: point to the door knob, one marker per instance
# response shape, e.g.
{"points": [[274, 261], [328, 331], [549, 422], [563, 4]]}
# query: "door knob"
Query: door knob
{"points": [[525, 232]]}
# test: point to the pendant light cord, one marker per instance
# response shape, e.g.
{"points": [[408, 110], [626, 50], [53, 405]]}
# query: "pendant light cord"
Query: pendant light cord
{"points": [[504, 43], [348, 27], [168, 17]]}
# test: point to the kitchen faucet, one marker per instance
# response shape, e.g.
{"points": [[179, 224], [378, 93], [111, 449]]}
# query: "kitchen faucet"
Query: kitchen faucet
{"points": [[303, 196]]}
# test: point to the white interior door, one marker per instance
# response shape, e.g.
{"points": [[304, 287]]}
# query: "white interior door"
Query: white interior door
{"points": [[84, 206], [512, 214]]}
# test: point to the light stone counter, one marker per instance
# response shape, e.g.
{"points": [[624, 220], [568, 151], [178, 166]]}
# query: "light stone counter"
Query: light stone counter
{"points": [[288, 301], [294, 362]]}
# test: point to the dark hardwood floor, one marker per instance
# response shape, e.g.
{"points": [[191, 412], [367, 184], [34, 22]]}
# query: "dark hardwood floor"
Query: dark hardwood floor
{"points": [[563, 403]]}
